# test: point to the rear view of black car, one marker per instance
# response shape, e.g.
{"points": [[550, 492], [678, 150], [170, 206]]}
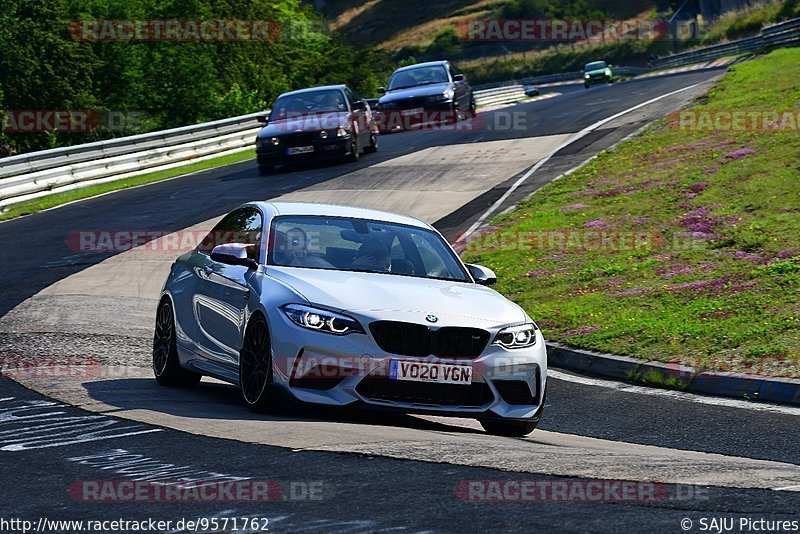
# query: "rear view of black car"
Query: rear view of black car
{"points": [[426, 93], [321, 123]]}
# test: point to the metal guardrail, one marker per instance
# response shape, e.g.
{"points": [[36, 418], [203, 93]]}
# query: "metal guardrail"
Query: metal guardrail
{"points": [[38, 174], [774, 36], [34, 175], [576, 77], [500, 95]]}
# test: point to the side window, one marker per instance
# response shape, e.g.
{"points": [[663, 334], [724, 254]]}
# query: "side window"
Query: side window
{"points": [[352, 96], [453, 71], [434, 266], [241, 226]]}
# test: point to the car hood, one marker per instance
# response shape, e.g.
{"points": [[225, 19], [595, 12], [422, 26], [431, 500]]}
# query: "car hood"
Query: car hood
{"points": [[394, 297], [415, 92], [310, 123], [595, 72]]}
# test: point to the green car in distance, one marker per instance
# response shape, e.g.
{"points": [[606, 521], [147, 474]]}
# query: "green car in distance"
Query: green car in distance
{"points": [[597, 72]]}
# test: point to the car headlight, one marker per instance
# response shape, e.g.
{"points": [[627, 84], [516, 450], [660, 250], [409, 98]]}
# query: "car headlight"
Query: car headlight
{"points": [[341, 132], [517, 337], [447, 96], [276, 141], [323, 135], [322, 320], [608, 72], [587, 76]]}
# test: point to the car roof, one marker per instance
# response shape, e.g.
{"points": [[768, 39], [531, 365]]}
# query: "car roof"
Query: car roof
{"points": [[334, 210], [428, 64], [340, 87]]}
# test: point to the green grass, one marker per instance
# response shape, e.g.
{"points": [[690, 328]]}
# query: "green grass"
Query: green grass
{"points": [[701, 259], [748, 21], [50, 201], [655, 378]]}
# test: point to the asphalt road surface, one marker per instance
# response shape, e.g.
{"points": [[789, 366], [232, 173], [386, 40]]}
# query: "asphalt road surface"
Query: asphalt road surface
{"points": [[690, 457]]}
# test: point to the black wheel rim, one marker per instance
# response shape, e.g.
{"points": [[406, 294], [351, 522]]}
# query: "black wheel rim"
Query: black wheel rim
{"points": [[164, 336], [254, 367]]}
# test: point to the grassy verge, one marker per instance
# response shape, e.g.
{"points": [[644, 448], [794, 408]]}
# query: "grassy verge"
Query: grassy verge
{"points": [[38, 204], [680, 245], [750, 20]]}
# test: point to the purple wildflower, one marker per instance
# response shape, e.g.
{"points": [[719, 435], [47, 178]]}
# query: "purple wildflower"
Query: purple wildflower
{"points": [[599, 223], [739, 154], [573, 207], [583, 330]]}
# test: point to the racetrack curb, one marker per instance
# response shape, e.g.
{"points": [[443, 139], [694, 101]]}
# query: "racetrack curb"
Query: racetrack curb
{"points": [[734, 385]]}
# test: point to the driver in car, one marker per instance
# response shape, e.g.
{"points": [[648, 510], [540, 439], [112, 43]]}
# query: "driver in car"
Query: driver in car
{"points": [[373, 256]]}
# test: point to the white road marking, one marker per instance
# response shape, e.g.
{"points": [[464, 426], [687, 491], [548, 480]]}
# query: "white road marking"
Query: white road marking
{"points": [[43, 424], [678, 395], [583, 133]]}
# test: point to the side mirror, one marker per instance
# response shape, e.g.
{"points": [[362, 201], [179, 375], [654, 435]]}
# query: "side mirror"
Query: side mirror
{"points": [[263, 119], [359, 105], [233, 254], [458, 78], [382, 90], [482, 275]]}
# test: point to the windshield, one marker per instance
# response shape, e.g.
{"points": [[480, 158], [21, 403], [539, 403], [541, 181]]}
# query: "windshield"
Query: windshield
{"points": [[419, 76], [359, 245], [311, 103], [598, 65]]}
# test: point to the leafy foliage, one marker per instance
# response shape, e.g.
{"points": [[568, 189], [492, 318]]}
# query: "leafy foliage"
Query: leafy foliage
{"points": [[43, 67]]}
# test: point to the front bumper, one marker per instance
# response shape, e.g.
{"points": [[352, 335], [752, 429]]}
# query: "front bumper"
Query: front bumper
{"points": [[408, 115], [319, 368], [597, 79], [323, 150]]}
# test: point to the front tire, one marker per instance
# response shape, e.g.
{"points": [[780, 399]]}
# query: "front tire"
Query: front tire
{"points": [[373, 144], [166, 364], [255, 366], [355, 150]]}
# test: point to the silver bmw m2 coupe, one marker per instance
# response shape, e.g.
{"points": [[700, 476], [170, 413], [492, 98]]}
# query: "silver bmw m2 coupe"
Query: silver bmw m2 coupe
{"points": [[340, 306]]}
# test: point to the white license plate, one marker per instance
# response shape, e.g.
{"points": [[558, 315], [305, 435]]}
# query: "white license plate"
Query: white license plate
{"points": [[417, 111], [299, 150], [440, 373]]}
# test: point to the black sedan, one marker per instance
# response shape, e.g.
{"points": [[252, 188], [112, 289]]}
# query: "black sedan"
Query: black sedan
{"points": [[321, 123], [426, 93]]}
